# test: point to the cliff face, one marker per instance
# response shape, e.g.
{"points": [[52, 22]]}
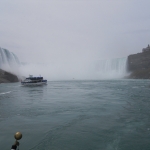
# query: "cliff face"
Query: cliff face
{"points": [[139, 65], [6, 77]]}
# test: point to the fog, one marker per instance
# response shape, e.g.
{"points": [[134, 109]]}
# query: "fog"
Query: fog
{"points": [[65, 39], [57, 71]]}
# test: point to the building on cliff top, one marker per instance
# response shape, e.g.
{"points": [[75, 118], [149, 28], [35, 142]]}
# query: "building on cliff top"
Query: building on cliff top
{"points": [[146, 49]]}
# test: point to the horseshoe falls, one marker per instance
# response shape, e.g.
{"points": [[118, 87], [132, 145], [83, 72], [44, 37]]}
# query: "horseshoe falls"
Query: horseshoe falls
{"points": [[102, 69], [94, 70], [112, 68]]}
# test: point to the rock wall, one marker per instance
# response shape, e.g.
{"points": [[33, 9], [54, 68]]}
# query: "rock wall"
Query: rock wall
{"points": [[6, 77], [139, 65]]}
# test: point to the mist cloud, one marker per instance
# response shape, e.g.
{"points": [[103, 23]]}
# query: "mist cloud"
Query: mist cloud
{"points": [[73, 32]]}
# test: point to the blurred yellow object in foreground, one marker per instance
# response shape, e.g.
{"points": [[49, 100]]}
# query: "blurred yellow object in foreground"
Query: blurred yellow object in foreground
{"points": [[18, 135]]}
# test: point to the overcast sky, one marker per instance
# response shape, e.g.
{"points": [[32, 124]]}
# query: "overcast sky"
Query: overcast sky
{"points": [[70, 30]]}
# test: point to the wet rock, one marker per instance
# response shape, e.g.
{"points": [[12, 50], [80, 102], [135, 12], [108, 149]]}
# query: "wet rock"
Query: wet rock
{"points": [[139, 65], [7, 77]]}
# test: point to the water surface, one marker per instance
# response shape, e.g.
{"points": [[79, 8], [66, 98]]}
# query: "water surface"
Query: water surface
{"points": [[77, 115]]}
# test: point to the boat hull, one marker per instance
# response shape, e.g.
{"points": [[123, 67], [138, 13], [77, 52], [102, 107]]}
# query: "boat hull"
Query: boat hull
{"points": [[33, 84]]}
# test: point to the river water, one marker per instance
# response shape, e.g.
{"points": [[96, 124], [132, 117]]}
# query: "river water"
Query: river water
{"points": [[77, 115]]}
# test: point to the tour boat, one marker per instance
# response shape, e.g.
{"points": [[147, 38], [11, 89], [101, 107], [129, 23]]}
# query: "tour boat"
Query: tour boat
{"points": [[34, 81]]}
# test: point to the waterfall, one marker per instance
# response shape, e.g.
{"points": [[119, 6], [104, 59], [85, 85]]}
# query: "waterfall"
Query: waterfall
{"points": [[8, 61], [112, 68], [101, 69]]}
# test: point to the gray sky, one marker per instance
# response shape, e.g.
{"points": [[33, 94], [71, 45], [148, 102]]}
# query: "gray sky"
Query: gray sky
{"points": [[71, 30]]}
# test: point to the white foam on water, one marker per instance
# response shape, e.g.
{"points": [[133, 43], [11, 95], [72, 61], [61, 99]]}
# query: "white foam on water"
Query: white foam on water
{"points": [[5, 93]]}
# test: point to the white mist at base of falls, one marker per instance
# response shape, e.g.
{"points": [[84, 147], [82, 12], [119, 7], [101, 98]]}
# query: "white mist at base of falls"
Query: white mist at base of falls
{"points": [[94, 70], [65, 69]]}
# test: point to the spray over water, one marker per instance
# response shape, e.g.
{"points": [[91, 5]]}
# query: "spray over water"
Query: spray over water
{"points": [[79, 69]]}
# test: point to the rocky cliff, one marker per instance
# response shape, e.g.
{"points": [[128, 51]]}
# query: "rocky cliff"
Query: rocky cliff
{"points": [[6, 77], [139, 65]]}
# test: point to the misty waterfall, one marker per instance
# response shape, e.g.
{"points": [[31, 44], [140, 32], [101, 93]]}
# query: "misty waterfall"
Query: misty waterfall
{"points": [[8, 60], [102, 69], [112, 68]]}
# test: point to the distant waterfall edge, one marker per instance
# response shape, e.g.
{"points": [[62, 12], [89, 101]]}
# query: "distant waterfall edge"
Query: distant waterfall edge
{"points": [[9, 61], [112, 68]]}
